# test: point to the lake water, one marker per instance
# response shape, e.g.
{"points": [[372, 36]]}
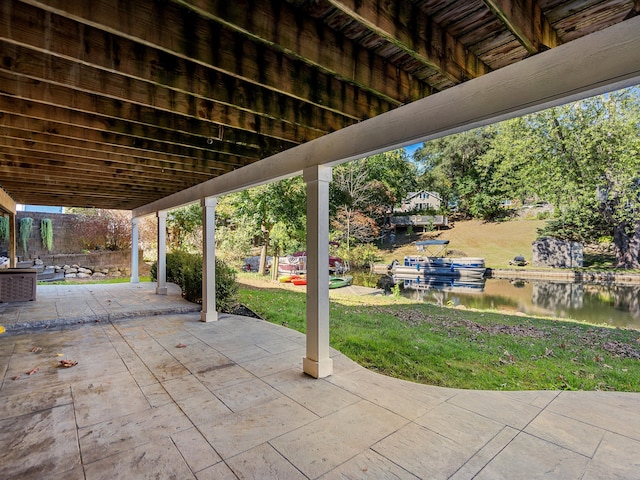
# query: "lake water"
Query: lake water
{"points": [[615, 305]]}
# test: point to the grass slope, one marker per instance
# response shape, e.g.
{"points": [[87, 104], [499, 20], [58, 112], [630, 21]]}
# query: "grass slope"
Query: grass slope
{"points": [[461, 348], [497, 243]]}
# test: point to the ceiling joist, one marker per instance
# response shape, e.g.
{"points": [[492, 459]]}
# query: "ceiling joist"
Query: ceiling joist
{"points": [[156, 96]]}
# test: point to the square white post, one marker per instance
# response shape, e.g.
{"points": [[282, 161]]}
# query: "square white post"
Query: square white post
{"points": [[134, 251], [317, 363], [161, 272], [13, 255], [209, 313]]}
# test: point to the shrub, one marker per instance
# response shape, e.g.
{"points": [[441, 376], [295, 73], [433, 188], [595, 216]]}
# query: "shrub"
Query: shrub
{"points": [[363, 255], [185, 270]]}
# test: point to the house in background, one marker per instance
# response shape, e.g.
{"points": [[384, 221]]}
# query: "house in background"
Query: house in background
{"points": [[421, 200]]}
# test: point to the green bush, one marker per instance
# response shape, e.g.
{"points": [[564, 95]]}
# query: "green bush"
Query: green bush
{"points": [[361, 256], [185, 270]]}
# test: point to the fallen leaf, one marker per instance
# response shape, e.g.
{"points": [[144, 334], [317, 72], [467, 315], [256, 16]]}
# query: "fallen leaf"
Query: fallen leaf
{"points": [[67, 363], [36, 349], [2, 329], [17, 377], [33, 370], [181, 345], [60, 355]]}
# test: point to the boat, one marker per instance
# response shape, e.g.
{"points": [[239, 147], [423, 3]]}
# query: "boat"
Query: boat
{"points": [[289, 278], [447, 284], [452, 267], [297, 264], [299, 281], [338, 282]]}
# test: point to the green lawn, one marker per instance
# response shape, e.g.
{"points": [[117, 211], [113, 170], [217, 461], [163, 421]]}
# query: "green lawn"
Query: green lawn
{"points": [[462, 348], [496, 242]]}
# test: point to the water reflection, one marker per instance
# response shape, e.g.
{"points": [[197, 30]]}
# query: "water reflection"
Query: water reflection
{"points": [[616, 305], [553, 296]]}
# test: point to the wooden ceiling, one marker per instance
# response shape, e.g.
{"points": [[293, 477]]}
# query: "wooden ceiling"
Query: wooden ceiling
{"points": [[118, 103]]}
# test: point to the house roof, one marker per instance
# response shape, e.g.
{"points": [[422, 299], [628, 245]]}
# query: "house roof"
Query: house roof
{"points": [[118, 104], [410, 195]]}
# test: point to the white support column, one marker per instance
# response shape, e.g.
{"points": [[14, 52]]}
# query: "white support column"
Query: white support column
{"points": [[161, 273], [209, 313], [13, 254], [134, 250], [317, 362]]}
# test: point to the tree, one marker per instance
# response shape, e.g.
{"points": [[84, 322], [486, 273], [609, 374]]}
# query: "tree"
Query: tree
{"points": [[449, 166], [108, 229], [357, 200], [262, 208], [585, 159], [395, 171], [184, 228]]}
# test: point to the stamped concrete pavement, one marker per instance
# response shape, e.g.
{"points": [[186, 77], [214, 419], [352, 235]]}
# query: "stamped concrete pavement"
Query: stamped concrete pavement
{"points": [[167, 396]]}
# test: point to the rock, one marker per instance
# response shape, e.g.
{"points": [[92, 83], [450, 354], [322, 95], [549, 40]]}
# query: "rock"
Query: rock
{"points": [[38, 262], [105, 271], [70, 275], [84, 270], [83, 275], [70, 270], [98, 275]]}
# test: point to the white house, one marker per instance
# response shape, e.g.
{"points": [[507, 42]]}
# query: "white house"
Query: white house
{"points": [[421, 200]]}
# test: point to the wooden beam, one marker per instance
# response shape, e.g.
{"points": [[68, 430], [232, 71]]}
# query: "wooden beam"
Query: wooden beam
{"points": [[591, 65], [527, 22], [59, 120], [125, 58], [82, 83], [42, 132], [248, 56], [129, 116], [95, 199], [7, 204], [279, 26], [47, 156], [40, 183], [402, 24]]}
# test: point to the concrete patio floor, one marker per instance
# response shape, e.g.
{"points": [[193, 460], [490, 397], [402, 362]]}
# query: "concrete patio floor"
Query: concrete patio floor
{"points": [[167, 396]]}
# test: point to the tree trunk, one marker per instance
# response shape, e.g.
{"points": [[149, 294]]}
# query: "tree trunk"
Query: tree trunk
{"points": [[627, 246], [275, 263]]}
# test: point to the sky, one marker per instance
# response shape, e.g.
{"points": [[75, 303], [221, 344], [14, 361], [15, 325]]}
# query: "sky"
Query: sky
{"points": [[412, 148]]}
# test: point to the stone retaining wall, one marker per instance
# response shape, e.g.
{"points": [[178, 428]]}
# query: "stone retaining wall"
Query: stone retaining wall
{"points": [[619, 278]]}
